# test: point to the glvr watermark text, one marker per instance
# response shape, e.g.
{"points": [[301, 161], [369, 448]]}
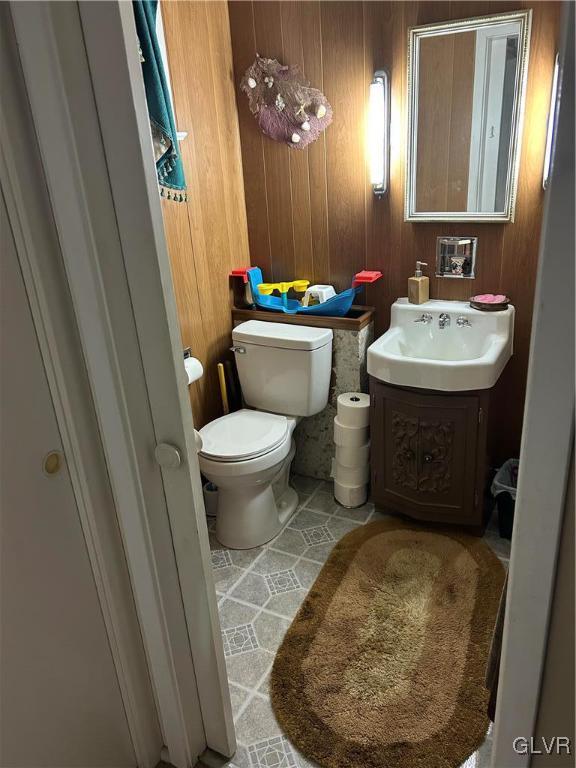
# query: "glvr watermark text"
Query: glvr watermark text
{"points": [[554, 745]]}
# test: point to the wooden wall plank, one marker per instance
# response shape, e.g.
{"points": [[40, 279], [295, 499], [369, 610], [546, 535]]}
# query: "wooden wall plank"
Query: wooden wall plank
{"points": [[228, 133], [313, 70], [208, 235], [291, 16], [178, 240], [268, 30], [345, 89], [243, 54], [213, 261], [342, 44]]}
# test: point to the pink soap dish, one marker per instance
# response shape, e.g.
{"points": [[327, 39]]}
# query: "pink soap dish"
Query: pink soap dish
{"points": [[490, 302]]}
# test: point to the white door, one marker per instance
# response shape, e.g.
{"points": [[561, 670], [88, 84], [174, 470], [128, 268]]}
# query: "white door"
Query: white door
{"points": [[60, 700], [88, 106]]}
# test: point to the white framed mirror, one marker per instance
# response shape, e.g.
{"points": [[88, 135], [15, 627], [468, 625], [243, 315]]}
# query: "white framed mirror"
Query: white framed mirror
{"points": [[466, 92]]}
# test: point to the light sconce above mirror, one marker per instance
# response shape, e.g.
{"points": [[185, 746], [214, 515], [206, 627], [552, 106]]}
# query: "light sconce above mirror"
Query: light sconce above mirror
{"points": [[378, 138]]}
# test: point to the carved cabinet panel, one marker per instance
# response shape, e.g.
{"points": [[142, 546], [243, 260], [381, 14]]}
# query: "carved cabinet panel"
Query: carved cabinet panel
{"points": [[428, 453]]}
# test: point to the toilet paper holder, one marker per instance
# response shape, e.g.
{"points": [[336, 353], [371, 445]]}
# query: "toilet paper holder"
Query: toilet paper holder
{"points": [[192, 366]]}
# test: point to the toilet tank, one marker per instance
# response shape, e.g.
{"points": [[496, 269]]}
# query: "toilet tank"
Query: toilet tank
{"points": [[283, 368]]}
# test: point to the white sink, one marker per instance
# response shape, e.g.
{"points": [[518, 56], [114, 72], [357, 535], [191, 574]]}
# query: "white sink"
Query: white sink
{"points": [[452, 359]]}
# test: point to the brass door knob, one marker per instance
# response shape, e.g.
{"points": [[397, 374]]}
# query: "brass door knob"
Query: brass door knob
{"points": [[52, 463]]}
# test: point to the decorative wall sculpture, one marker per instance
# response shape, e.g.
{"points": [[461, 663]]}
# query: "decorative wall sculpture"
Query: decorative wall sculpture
{"points": [[286, 108]]}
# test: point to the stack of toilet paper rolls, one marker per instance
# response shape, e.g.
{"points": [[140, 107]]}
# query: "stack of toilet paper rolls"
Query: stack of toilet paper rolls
{"points": [[351, 466]]}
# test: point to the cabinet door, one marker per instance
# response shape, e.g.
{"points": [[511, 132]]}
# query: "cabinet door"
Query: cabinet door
{"points": [[424, 453]]}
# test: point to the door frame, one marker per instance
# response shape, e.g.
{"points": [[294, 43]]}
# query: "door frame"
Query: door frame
{"points": [[116, 75], [102, 185]]}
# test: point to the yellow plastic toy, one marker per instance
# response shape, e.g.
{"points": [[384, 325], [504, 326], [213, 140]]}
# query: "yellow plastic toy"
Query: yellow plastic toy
{"points": [[267, 289]]}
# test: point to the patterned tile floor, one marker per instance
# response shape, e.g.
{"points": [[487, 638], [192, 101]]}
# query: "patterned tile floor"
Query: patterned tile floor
{"points": [[259, 592]]}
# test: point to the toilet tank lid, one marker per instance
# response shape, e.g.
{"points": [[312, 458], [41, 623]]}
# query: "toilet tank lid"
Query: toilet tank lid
{"points": [[282, 335]]}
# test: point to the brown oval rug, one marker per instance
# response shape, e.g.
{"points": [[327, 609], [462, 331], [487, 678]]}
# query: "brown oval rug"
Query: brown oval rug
{"points": [[383, 666]]}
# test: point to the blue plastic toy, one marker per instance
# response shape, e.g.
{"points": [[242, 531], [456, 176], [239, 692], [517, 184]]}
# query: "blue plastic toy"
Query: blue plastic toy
{"points": [[337, 306]]}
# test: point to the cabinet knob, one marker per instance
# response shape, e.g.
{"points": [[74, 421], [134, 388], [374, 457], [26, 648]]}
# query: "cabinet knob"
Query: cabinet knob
{"points": [[428, 458]]}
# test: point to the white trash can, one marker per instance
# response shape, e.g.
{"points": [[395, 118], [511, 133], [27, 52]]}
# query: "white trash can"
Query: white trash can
{"points": [[210, 499]]}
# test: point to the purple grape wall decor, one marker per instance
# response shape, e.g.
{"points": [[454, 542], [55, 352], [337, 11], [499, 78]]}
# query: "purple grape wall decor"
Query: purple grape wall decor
{"points": [[286, 108]]}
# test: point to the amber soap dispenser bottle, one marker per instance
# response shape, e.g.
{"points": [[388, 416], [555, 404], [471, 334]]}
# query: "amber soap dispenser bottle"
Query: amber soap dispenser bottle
{"points": [[419, 285]]}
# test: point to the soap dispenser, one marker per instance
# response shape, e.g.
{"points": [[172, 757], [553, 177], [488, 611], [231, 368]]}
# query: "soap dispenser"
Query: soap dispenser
{"points": [[419, 285]]}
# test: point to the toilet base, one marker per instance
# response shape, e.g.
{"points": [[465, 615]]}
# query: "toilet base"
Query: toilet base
{"points": [[250, 515]]}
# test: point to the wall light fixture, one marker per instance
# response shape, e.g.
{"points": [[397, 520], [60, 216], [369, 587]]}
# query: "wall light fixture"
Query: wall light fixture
{"points": [[379, 132], [551, 133]]}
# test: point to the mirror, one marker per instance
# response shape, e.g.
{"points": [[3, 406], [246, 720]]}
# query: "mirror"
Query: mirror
{"points": [[466, 81]]}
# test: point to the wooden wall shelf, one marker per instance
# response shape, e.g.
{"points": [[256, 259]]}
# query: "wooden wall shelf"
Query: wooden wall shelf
{"points": [[357, 318]]}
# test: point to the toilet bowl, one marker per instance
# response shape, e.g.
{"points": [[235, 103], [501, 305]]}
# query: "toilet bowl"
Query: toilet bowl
{"points": [[247, 455], [284, 372]]}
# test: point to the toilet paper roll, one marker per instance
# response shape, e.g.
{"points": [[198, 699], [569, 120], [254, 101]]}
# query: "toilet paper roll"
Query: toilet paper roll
{"points": [[193, 368], [350, 475], [349, 437], [353, 457], [350, 495], [354, 409]]}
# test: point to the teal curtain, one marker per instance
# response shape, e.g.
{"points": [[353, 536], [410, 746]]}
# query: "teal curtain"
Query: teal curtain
{"points": [[166, 151]]}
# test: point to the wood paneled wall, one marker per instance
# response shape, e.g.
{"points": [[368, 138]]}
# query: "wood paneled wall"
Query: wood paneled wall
{"points": [[207, 236], [311, 213]]}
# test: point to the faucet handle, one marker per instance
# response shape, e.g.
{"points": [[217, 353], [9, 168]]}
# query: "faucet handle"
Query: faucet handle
{"points": [[463, 322], [425, 317]]}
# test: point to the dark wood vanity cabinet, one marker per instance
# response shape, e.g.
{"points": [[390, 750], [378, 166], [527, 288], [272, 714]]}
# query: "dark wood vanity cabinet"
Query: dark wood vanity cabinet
{"points": [[428, 453]]}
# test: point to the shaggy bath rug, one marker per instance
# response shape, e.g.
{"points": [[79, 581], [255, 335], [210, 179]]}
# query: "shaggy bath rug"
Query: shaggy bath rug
{"points": [[383, 666]]}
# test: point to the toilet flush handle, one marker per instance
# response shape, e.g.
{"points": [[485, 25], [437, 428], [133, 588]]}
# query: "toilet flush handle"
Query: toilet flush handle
{"points": [[239, 350]]}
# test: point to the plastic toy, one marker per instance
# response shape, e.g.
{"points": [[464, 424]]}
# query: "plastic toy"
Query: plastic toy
{"points": [[317, 294], [337, 306], [267, 289]]}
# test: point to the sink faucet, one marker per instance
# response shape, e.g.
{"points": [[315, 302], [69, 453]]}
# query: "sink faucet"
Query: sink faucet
{"points": [[463, 322], [426, 317], [443, 320]]}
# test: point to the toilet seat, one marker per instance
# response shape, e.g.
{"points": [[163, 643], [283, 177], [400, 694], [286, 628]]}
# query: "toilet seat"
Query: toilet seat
{"points": [[243, 435]]}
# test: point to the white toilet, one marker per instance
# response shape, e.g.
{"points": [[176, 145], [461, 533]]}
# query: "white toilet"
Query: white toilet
{"points": [[285, 373]]}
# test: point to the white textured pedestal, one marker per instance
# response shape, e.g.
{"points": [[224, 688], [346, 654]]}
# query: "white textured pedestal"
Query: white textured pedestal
{"points": [[314, 436]]}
